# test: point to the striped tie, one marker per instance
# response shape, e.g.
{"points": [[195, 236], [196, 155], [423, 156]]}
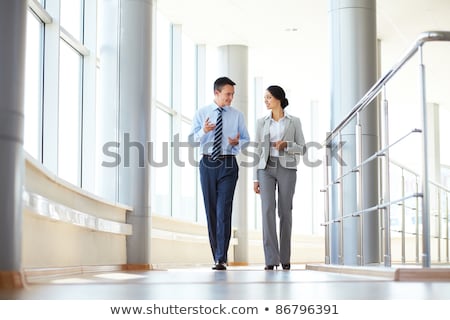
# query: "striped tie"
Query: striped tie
{"points": [[217, 146]]}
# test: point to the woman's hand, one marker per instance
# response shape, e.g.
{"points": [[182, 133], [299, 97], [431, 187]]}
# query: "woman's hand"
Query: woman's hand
{"points": [[280, 145], [256, 187]]}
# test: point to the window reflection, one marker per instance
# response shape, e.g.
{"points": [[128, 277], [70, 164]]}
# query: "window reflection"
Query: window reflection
{"points": [[175, 191], [188, 74], [161, 163], [188, 177], [163, 60], [33, 86], [69, 140], [72, 17]]}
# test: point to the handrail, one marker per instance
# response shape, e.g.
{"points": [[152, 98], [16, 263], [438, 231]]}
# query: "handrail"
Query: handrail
{"points": [[376, 88], [384, 207], [411, 171], [373, 156], [371, 209]]}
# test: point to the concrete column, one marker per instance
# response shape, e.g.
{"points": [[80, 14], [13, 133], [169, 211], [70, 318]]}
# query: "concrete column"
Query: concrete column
{"points": [[12, 59], [135, 47], [354, 71], [124, 115], [233, 63]]}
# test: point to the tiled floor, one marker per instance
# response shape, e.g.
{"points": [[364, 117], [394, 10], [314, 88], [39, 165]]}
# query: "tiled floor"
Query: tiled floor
{"points": [[237, 283]]}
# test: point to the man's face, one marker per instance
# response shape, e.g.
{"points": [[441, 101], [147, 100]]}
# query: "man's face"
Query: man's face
{"points": [[224, 97]]}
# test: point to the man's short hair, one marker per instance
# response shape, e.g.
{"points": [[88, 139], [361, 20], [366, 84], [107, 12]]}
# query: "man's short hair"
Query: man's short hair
{"points": [[221, 82]]}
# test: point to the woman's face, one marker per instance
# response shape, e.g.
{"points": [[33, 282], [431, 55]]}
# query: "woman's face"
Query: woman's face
{"points": [[270, 101]]}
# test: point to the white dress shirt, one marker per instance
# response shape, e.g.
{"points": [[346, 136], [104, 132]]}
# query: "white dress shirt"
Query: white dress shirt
{"points": [[277, 129]]}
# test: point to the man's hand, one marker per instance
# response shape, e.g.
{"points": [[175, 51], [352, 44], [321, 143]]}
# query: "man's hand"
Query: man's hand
{"points": [[234, 141], [208, 126]]}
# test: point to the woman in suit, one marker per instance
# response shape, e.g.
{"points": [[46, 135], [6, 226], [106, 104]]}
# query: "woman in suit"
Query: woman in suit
{"points": [[280, 142]]}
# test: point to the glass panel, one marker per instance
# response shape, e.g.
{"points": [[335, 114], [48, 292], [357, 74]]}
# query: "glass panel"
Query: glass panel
{"points": [[189, 77], [188, 176], [163, 60], [33, 86], [212, 70], [160, 163], [444, 118], [72, 17], [69, 114]]}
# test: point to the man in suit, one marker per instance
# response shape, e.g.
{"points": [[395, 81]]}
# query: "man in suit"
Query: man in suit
{"points": [[280, 142], [221, 131]]}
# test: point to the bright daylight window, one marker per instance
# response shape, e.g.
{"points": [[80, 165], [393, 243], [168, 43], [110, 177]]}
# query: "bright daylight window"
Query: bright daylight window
{"points": [[72, 18], [160, 155], [33, 86], [174, 184], [163, 60], [70, 91], [187, 178], [69, 155], [160, 162]]}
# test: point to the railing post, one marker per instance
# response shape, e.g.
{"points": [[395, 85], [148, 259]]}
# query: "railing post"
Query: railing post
{"points": [[439, 231], [380, 210], [359, 188], [386, 180], [417, 222], [341, 203], [425, 185], [446, 226], [403, 219], [326, 205]]}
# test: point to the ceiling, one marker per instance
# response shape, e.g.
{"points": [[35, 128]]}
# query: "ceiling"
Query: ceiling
{"points": [[290, 37], [262, 23]]}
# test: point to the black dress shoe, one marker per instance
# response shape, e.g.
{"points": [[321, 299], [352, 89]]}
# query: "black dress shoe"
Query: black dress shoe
{"points": [[286, 266], [270, 267], [220, 266]]}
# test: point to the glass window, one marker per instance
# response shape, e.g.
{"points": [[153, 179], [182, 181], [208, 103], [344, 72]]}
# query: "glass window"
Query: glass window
{"points": [[33, 86], [188, 176], [163, 60], [69, 137], [72, 17], [161, 163], [444, 118], [175, 189], [188, 76]]}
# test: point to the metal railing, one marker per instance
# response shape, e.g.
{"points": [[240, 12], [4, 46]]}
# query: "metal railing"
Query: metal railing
{"points": [[422, 212], [407, 215]]}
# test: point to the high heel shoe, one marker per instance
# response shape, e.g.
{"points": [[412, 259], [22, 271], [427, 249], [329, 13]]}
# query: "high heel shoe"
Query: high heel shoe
{"points": [[270, 267], [286, 266]]}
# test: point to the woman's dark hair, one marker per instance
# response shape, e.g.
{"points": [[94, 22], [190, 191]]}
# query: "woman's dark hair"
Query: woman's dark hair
{"points": [[278, 93]]}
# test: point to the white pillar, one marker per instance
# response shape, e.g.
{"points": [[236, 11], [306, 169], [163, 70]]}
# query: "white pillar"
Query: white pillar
{"points": [[126, 56], [354, 71], [233, 63], [12, 59], [135, 76]]}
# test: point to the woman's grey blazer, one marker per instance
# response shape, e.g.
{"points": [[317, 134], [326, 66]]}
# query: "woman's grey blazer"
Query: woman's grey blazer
{"points": [[293, 135]]}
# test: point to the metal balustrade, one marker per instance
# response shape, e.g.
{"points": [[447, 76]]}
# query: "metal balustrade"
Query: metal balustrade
{"points": [[425, 203]]}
